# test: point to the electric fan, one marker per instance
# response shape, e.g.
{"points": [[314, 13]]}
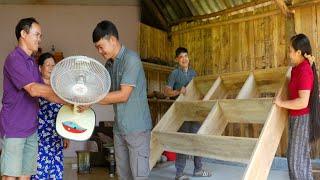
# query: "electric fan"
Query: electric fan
{"points": [[78, 80]]}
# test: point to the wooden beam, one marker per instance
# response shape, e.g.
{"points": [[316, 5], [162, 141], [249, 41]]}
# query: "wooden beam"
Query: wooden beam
{"points": [[269, 139], [157, 13], [249, 89], [157, 67], [156, 149], [290, 31], [215, 123], [228, 21], [218, 147], [191, 93], [225, 83], [283, 7], [253, 111], [204, 84], [245, 18], [304, 4], [217, 91], [206, 78], [169, 122], [220, 13]]}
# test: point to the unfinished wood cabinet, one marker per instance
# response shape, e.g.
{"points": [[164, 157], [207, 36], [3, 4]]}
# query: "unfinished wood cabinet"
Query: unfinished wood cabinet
{"points": [[225, 101]]}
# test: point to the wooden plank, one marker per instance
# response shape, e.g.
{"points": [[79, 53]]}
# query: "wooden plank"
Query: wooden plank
{"points": [[259, 44], [269, 80], [235, 63], [253, 111], [204, 83], [203, 79], [217, 91], [154, 43], [218, 147], [235, 80], [228, 21], [169, 122], [244, 44], [191, 93], [153, 81], [304, 4], [269, 139], [194, 110], [157, 67], [164, 24], [224, 65], [156, 149], [215, 123], [269, 88], [250, 30], [267, 74], [275, 42], [249, 89], [283, 7], [216, 49], [268, 38]]}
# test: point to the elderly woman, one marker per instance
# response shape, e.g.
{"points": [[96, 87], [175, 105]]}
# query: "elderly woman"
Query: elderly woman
{"points": [[51, 145]]}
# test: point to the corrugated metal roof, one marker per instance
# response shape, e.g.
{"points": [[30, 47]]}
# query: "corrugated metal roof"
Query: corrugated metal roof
{"points": [[174, 11]]}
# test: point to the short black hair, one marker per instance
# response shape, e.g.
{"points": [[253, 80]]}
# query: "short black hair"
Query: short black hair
{"points": [[104, 29], [180, 50], [24, 24], [43, 57]]}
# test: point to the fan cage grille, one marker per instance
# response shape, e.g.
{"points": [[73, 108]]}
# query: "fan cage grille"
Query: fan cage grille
{"points": [[80, 70]]}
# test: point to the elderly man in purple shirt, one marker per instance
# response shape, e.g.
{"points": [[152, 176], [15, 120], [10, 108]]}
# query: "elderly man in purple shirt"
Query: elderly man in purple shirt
{"points": [[22, 85]]}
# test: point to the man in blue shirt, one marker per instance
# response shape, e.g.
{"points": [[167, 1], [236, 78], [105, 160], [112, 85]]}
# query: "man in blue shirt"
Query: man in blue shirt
{"points": [[129, 98], [177, 83]]}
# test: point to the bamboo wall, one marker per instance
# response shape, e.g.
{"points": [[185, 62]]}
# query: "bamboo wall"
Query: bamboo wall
{"points": [[237, 43], [253, 40], [154, 43], [307, 22]]}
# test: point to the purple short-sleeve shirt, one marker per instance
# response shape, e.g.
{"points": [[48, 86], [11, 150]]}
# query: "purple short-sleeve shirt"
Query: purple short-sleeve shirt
{"points": [[18, 116]]}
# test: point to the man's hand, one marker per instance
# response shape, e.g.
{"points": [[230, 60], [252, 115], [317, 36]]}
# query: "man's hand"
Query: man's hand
{"points": [[183, 90]]}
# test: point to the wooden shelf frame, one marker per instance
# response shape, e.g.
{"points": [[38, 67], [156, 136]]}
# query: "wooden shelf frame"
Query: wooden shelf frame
{"points": [[215, 112]]}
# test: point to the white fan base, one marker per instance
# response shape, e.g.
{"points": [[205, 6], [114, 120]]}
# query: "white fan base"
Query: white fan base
{"points": [[79, 126]]}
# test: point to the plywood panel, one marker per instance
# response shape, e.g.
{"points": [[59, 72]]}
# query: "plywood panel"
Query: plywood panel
{"points": [[254, 111]]}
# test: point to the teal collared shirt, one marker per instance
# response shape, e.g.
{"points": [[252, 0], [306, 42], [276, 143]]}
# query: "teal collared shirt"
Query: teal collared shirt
{"points": [[180, 78], [133, 115]]}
